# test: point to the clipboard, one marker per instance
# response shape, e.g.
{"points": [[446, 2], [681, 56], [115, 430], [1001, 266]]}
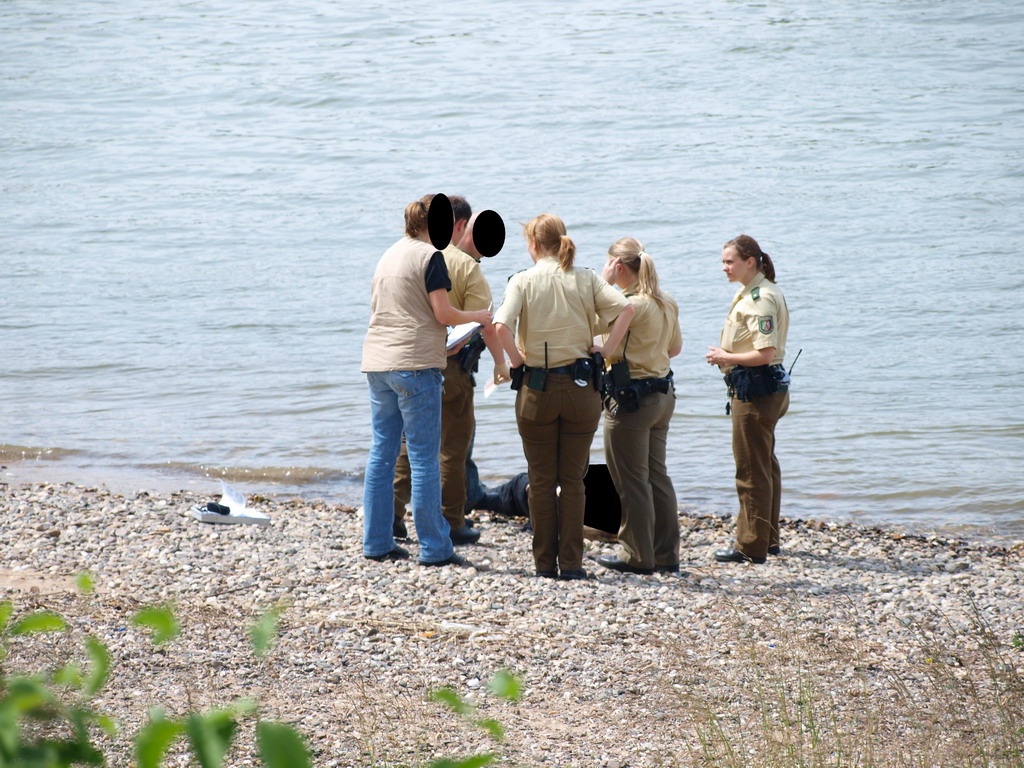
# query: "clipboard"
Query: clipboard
{"points": [[460, 333]]}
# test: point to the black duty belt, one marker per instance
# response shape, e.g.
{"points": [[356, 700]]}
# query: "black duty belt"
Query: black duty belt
{"points": [[649, 386], [559, 369]]}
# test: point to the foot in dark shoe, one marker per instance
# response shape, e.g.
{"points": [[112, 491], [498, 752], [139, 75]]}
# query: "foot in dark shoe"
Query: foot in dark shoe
{"points": [[453, 560], [617, 564], [464, 535], [397, 553], [666, 568], [579, 575], [776, 550], [547, 574], [399, 531], [735, 556]]}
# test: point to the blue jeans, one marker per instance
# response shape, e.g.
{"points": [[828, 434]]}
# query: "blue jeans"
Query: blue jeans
{"points": [[408, 401]]}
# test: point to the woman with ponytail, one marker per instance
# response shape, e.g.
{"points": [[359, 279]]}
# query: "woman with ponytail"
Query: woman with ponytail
{"points": [[547, 323], [403, 355], [752, 346], [636, 424]]}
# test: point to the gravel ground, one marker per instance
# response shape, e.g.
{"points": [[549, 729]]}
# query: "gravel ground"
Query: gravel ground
{"points": [[855, 639]]}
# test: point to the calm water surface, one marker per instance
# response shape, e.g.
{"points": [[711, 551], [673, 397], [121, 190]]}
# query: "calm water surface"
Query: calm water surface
{"points": [[193, 198]]}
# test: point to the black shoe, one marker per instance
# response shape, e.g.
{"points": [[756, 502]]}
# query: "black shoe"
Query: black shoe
{"points": [[399, 531], [617, 564], [453, 560], [579, 575], [547, 574], [666, 568], [397, 553], [776, 550], [464, 535], [735, 556]]}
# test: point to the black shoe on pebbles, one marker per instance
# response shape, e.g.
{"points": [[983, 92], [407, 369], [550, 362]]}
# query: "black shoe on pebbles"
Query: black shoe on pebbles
{"points": [[455, 560], [398, 553]]}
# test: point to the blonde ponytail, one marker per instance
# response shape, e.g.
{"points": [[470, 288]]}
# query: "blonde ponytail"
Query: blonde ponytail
{"points": [[566, 252], [547, 231], [631, 254]]}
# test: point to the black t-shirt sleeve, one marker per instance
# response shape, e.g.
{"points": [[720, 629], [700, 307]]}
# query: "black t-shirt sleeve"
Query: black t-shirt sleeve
{"points": [[437, 273]]}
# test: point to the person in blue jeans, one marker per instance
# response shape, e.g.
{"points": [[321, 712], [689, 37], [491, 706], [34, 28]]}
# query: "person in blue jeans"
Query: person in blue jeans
{"points": [[404, 353]]}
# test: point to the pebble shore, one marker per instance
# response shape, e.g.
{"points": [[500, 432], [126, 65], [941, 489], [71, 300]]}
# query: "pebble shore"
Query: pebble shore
{"points": [[618, 670]]}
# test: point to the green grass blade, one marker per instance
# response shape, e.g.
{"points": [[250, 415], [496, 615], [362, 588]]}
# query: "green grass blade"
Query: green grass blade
{"points": [[265, 630], [154, 740], [43, 621], [281, 746], [505, 684], [161, 620], [211, 736], [100, 666]]}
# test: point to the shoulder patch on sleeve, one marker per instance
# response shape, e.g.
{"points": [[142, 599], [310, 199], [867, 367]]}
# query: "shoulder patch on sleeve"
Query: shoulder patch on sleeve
{"points": [[765, 323]]}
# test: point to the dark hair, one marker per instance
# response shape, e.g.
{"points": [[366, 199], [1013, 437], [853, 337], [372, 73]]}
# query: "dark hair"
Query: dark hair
{"points": [[747, 248], [460, 207]]}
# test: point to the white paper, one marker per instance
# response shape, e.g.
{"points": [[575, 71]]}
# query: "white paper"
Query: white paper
{"points": [[239, 514], [459, 333]]}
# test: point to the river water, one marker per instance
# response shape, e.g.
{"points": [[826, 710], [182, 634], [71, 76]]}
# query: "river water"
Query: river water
{"points": [[194, 195]]}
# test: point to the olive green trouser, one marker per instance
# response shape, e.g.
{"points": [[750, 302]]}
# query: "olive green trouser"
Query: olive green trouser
{"points": [[758, 475], [635, 445], [557, 427], [457, 423]]}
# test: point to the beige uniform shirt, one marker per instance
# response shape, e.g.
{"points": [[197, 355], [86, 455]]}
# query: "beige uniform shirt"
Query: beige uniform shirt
{"points": [[758, 318], [403, 335], [652, 333], [560, 308], [470, 291]]}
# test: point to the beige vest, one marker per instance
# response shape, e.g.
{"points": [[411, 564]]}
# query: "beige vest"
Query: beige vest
{"points": [[403, 335]]}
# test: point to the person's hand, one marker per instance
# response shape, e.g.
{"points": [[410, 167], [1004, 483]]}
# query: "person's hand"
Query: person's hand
{"points": [[502, 375], [715, 356], [608, 271], [482, 316]]}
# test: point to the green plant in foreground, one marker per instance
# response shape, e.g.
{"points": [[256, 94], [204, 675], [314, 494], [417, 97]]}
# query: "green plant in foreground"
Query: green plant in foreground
{"points": [[46, 719], [505, 685]]}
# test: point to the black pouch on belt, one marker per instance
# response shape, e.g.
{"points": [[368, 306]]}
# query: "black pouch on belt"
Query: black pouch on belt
{"points": [[583, 372], [517, 375], [748, 383], [469, 355], [539, 376], [538, 379]]}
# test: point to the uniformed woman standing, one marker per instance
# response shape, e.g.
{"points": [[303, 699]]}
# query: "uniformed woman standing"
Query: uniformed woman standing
{"points": [[636, 425], [554, 309], [752, 347]]}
